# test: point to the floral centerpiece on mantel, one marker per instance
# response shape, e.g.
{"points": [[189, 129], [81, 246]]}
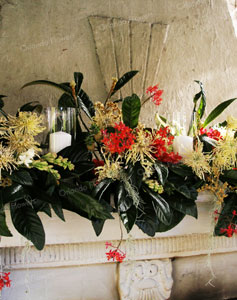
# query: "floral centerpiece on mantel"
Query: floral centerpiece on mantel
{"points": [[116, 164]]}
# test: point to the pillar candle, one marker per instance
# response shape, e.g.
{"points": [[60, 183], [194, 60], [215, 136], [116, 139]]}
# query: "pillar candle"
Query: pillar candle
{"points": [[59, 140]]}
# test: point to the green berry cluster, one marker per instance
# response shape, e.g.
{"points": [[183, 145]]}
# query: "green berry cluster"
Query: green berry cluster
{"points": [[155, 186]]}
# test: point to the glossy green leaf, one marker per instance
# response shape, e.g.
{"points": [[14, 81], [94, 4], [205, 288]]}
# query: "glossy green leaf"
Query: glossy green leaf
{"points": [[176, 218], [77, 201], [123, 80], [124, 201], [22, 177], [57, 207], [76, 153], [129, 218], [66, 101], [217, 111], [202, 105], [161, 171], [87, 102], [32, 106], [230, 204], [4, 230], [135, 173], [42, 206], [230, 176], [28, 223], [131, 110], [161, 207], [148, 223], [60, 86], [181, 170], [98, 226], [78, 77], [13, 193], [100, 188], [183, 205], [2, 101]]}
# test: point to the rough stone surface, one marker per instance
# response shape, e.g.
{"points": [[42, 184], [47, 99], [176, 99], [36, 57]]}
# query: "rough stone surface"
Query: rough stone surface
{"points": [[52, 39], [202, 277]]}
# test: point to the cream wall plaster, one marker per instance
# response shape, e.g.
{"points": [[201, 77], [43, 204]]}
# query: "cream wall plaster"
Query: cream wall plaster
{"points": [[50, 39]]}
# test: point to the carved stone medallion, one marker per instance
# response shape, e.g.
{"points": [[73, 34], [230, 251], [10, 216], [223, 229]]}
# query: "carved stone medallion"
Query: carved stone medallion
{"points": [[145, 280]]}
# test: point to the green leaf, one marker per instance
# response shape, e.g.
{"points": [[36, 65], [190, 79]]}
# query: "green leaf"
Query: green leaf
{"points": [[40, 205], [202, 104], [29, 107], [181, 170], [1, 101], [217, 111], [176, 218], [100, 188], [148, 223], [98, 226], [4, 230], [124, 201], [162, 172], [130, 110], [77, 201], [230, 176], [87, 102], [22, 177], [226, 216], [123, 80], [129, 218], [78, 77], [57, 207], [76, 153], [28, 223], [60, 86], [183, 205], [13, 193], [135, 174], [161, 207], [66, 101]]}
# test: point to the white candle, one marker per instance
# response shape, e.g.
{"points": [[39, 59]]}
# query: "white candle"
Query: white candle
{"points": [[59, 140], [183, 144]]}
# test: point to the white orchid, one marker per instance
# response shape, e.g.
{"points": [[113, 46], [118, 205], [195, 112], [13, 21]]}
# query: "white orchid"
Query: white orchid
{"points": [[26, 158]]}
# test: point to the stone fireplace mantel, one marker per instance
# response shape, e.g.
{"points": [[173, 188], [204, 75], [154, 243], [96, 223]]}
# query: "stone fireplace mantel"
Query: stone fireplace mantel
{"points": [[74, 243]]}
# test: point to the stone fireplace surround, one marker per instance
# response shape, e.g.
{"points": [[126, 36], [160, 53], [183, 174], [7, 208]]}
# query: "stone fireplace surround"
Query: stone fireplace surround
{"points": [[74, 258]]}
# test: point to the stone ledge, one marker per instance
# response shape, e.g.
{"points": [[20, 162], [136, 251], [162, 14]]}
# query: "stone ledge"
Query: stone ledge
{"points": [[94, 253]]}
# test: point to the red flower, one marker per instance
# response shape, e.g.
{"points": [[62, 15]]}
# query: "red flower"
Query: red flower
{"points": [[98, 163], [161, 143], [120, 140], [116, 255], [4, 280], [234, 213], [155, 94], [211, 133]]}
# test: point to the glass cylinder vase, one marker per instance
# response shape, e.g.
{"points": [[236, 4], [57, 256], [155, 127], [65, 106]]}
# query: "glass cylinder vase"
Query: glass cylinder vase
{"points": [[61, 127]]}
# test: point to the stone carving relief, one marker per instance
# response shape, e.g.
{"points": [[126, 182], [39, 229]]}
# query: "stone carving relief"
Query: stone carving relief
{"points": [[232, 7], [145, 280], [124, 45]]}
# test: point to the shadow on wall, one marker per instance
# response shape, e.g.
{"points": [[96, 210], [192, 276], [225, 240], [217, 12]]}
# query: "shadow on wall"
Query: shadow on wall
{"points": [[205, 278]]}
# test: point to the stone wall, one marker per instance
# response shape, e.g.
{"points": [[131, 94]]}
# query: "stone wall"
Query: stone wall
{"points": [[50, 39]]}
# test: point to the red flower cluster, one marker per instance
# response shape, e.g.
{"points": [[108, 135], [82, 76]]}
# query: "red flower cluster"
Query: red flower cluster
{"points": [[120, 140], [231, 228], [155, 94], [211, 133], [4, 280], [116, 255], [161, 142]]}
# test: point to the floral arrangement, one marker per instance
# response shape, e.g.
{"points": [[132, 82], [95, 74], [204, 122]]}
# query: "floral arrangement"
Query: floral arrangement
{"points": [[117, 164]]}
